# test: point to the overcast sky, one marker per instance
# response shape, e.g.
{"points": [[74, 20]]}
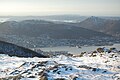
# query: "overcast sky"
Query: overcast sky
{"points": [[48, 7]]}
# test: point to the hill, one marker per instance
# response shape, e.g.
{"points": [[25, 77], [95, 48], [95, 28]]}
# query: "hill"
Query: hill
{"points": [[36, 28], [107, 26], [14, 50]]}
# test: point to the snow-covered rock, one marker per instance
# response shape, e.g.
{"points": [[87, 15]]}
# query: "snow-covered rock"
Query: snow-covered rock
{"points": [[61, 67]]}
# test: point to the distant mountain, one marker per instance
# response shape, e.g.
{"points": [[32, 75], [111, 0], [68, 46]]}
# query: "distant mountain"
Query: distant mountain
{"points": [[107, 26], [14, 50], [64, 18], [111, 18], [36, 28], [60, 18]]}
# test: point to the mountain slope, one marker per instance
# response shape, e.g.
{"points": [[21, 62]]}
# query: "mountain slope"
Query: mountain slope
{"points": [[14, 50], [107, 26], [35, 28]]}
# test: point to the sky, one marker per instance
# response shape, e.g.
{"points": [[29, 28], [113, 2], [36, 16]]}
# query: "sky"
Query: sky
{"points": [[57, 7]]}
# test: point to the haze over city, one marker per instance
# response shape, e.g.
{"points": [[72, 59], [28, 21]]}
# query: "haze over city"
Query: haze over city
{"points": [[55, 7]]}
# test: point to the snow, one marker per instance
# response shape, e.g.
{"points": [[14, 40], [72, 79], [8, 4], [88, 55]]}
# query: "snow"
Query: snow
{"points": [[71, 68], [29, 79]]}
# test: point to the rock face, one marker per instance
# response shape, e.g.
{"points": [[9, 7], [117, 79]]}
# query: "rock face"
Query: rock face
{"points": [[14, 50]]}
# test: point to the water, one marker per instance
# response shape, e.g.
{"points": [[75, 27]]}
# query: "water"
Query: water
{"points": [[76, 50]]}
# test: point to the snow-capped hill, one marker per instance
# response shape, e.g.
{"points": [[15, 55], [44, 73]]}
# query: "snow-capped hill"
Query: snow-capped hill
{"points": [[14, 50], [62, 67]]}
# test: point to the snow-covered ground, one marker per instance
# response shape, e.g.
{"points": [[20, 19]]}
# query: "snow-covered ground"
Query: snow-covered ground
{"points": [[102, 66]]}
